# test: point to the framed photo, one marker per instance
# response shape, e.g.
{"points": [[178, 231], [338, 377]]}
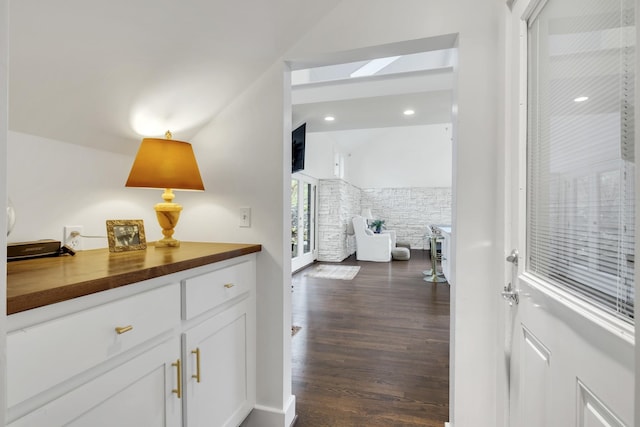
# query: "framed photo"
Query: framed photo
{"points": [[126, 235]]}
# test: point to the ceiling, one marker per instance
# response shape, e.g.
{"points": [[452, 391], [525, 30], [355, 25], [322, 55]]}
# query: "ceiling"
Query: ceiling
{"points": [[422, 82], [105, 73]]}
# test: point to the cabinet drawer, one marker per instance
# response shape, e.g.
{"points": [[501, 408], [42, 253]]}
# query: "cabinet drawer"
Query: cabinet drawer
{"points": [[209, 290], [41, 356]]}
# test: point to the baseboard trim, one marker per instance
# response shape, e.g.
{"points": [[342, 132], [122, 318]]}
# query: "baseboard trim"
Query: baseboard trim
{"points": [[266, 416], [447, 424], [311, 264]]}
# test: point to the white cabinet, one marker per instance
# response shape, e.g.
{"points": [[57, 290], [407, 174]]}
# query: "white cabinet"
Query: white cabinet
{"points": [[121, 358], [219, 386], [137, 393], [46, 354], [211, 289], [446, 252], [220, 389]]}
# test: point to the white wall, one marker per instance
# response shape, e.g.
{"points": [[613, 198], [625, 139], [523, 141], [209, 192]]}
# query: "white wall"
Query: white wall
{"points": [[393, 157], [338, 202], [3, 195], [413, 156], [53, 184], [409, 210], [319, 155], [250, 166]]}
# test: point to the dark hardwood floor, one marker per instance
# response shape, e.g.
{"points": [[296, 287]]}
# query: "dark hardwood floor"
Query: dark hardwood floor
{"points": [[372, 351]]}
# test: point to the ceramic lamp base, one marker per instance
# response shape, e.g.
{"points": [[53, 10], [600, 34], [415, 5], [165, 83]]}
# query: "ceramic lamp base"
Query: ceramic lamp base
{"points": [[168, 215]]}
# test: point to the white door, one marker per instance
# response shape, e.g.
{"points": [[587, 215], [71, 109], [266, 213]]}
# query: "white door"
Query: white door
{"points": [[569, 338], [303, 221]]}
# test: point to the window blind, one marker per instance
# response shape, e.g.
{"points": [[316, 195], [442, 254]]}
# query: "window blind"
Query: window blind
{"points": [[580, 157]]}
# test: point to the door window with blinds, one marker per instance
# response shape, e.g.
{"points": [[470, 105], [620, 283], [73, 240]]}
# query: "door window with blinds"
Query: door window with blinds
{"points": [[580, 157]]}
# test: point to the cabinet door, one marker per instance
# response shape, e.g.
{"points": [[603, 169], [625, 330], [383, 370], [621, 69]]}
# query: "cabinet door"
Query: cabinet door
{"points": [[225, 394], [136, 393]]}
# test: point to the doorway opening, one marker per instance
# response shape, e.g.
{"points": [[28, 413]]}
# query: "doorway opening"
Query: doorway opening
{"points": [[378, 128], [348, 101]]}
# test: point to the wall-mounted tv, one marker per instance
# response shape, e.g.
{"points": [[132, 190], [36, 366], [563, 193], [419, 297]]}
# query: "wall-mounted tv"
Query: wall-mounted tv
{"points": [[297, 148]]}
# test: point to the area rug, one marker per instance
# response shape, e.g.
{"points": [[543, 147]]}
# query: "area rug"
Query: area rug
{"points": [[340, 272]]}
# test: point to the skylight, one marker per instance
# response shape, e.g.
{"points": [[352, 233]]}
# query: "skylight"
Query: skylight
{"points": [[423, 61], [373, 66]]}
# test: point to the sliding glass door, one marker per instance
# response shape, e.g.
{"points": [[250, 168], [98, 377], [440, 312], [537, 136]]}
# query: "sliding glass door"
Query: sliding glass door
{"points": [[303, 221]]}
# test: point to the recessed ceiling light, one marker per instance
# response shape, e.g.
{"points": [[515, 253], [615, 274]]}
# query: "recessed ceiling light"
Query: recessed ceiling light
{"points": [[581, 99], [329, 118], [409, 112]]}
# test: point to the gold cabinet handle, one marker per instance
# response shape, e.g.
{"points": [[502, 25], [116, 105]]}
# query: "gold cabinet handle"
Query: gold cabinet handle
{"points": [[122, 329], [178, 390], [197, 374], [229, 285]]}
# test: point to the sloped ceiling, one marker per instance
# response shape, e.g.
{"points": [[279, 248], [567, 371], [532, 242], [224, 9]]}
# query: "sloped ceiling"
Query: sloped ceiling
{"points": [[104, 73]]}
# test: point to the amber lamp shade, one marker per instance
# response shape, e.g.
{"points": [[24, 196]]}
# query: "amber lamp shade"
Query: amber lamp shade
{"points": [[168, 164]]}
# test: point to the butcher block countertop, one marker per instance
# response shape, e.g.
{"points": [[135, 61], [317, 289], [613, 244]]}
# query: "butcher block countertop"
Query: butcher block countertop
{"points": [[38, 282]]}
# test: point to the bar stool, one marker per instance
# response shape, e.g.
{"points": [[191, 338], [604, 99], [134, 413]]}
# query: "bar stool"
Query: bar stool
{"points": [[432, 275]]}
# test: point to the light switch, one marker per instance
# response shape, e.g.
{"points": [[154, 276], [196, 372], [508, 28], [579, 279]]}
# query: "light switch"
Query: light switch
{"points": [[245, 217]]}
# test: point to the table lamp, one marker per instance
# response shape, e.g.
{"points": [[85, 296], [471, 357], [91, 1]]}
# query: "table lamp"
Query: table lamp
{"points": [[169, 164]]}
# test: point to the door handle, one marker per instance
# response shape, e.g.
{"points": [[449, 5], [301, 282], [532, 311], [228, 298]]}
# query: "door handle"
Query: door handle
{"points": [[122, 329], [197, 374], [510, 295], [178, 389], [513, 258]]}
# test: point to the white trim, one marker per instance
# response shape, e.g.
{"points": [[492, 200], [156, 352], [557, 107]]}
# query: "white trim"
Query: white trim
{"points": [[306, 258], [262, 416], [637, 223], [523, 111], [532, 10], [586, 398], [308, 177], [582, 308]]}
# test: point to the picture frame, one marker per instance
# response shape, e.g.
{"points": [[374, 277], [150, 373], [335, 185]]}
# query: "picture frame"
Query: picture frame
{"points": [[126, 235]]}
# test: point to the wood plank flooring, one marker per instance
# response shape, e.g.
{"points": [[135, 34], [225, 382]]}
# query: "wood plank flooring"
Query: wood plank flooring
{"points": [[372, 351]]}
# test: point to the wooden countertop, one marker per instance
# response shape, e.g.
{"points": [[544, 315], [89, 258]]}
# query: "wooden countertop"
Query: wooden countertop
{"points": [[38, 282]]}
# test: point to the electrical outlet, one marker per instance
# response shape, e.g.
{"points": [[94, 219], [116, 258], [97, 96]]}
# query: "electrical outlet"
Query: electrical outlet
{"points": [[73, 237], [245, 217]]}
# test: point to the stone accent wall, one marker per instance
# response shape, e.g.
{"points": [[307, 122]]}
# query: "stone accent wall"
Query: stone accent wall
{"points": [[338, 202], [408, 211]]}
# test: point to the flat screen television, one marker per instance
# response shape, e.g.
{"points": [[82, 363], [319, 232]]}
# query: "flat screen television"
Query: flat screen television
{"points": [[297, 148]]}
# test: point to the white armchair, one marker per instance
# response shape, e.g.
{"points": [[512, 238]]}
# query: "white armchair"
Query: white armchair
{"points": [[370, 246], [392, 235]]}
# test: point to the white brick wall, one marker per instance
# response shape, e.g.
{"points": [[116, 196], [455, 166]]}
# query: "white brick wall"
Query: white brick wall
{"points": [[338, 202], [408, 211]]}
